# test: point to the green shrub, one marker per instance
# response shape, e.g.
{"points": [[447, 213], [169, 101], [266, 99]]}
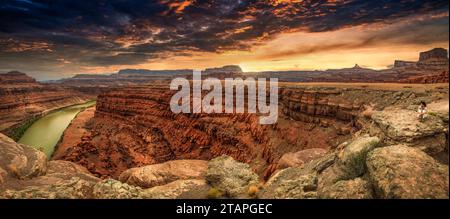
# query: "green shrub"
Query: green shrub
{"points": [[215, 193]]}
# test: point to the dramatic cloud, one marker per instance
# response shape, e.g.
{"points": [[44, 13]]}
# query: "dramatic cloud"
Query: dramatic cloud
{"points": [[94, 34]]}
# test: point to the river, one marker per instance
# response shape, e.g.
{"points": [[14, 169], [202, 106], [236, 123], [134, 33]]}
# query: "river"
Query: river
{"points": [[45, 132]]}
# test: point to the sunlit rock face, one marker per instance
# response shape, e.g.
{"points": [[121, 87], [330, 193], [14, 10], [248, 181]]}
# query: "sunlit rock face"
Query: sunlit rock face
{"points": [[435, 58]]}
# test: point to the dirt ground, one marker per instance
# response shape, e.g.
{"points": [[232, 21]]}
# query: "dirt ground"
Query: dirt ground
{"points": [[72, 135]]}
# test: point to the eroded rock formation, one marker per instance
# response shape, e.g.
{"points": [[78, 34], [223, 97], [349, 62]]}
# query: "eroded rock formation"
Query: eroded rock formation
{"points": [[22, 99]]}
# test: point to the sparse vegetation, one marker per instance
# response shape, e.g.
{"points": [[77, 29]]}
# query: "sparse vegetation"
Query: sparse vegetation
{"points": [[215, 193], [17, 132], [432, 114], [253, 191]]}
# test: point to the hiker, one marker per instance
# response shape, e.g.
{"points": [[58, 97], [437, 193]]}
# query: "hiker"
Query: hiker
{"points": [[422, 110]]}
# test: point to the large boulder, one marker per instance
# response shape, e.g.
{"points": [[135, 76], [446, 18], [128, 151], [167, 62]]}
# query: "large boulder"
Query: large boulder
{"points": [[297, 182], [353, 156], [21, 161], [290, 183], [231, 177], [403, 126], [348, 189], [403, 172], [180, 189], [294, 159], [113, 189], [163, 173], [350, 162], [60, 170]]}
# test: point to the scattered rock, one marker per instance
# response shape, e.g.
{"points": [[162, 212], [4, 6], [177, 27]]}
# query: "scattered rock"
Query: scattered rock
{"points": [[403, 172], [163, 173], [230, 176], [113, 189], [348, 189], [180, 189], [75, 188]]}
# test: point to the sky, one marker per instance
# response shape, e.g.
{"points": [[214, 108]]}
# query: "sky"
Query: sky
{"points": [[60, 38]]}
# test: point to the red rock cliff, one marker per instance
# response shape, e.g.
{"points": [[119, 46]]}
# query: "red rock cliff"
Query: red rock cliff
{"points": [[134, 127], [21, 98]]}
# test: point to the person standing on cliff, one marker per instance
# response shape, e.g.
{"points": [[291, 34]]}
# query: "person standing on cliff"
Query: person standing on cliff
{"points": [[422, 110]]}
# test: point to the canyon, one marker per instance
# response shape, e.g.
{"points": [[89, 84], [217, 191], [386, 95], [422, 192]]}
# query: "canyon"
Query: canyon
{"points": [[330, 140], [22, 99]]}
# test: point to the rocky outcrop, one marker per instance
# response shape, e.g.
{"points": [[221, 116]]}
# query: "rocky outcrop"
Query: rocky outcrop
{"points": [[348, 189], [291, 183], [402, 64], [224, 69], [231, 177], [15, 77], [403, 172], [360, 170], [113, 189], [164, 173], [75, 188], [21, 161], [300, 157], [428, 79], [402, 126], [326, 177], [180, 189], [435, 58], [350, 162]]}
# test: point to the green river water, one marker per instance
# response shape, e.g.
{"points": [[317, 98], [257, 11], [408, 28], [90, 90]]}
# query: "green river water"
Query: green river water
{"points": [[45, 132]]}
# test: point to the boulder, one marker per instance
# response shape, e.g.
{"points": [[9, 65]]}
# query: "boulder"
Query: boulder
{"points": [[297, 182], [290, 183], [353, 156], [403, 126], [350, 162], [113, 189], [300, 157], [163, 173], [21, 161], [66, 170], [231, 177], [400, 171], [348, 189], [180, 189]]}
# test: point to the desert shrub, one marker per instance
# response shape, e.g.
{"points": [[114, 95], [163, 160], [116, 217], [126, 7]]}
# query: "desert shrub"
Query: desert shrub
{"points": [[253, 191], [215, 193]]}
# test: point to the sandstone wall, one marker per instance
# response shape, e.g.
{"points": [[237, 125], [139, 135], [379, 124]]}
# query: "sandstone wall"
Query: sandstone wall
{"points": [[22, 98], [135, 127]]}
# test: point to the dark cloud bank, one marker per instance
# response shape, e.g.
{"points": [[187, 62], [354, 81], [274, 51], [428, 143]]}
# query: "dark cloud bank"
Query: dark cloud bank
{"points": [[101, 33]]}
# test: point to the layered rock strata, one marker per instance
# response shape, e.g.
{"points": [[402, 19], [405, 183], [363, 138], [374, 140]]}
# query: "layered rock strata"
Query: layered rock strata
{"points": [[22, 99]]}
